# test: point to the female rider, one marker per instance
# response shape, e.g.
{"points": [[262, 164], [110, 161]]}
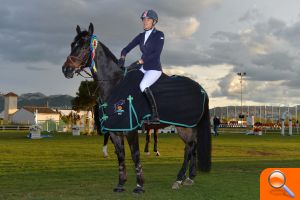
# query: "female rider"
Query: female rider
{"points": [[151, 43]]}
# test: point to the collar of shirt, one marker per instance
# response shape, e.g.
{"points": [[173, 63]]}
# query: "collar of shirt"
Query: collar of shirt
{"points": [[147, 34]]}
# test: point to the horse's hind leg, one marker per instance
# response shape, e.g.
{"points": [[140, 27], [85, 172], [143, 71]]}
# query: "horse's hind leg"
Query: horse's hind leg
{"points": [[118, 140], [193, 161], [155, 142], [146, 150], [192, 167], [187, 135], [133, 141]]}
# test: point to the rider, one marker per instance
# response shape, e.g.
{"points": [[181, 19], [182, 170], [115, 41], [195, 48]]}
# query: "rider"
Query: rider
{"points": [[151, 43]]}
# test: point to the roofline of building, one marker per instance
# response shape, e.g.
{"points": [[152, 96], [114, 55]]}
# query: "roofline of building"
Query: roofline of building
{"points": [[11, 94]]}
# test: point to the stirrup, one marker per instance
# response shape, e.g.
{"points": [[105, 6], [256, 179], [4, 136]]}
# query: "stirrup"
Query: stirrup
{"points": [[153, 121]]}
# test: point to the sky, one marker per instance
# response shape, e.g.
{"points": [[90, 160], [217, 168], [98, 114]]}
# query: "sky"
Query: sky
{"points": [[209, 41]]}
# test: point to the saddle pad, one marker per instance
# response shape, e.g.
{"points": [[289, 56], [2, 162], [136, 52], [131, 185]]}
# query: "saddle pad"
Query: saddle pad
{"points": [[180, 101]]}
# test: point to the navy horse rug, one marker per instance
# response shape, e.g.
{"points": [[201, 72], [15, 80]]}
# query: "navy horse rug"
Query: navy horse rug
{"points": [[180, 101]]}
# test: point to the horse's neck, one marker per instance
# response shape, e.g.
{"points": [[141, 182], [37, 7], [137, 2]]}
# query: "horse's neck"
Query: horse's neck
{"points": [[108, 73]]}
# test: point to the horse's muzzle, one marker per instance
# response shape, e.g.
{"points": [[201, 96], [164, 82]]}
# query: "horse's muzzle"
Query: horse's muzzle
{"points": [[68, 71]]}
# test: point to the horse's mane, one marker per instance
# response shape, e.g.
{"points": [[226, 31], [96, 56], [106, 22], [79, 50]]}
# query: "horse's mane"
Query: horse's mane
{"points": [[108, 53], [106, 50]]}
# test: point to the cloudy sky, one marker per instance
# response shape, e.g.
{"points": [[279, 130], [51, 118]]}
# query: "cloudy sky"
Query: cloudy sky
{"points": [[207, 40]]}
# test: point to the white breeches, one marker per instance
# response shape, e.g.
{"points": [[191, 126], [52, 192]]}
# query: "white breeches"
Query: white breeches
{"points": [[150, 77]]}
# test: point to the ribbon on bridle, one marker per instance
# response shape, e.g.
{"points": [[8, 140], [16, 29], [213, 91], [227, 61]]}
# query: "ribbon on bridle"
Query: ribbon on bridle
{"points": [[92, 67], [93, 47]]}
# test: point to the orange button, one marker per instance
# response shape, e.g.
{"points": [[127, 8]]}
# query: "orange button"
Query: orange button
{"points": [[280, 184]]}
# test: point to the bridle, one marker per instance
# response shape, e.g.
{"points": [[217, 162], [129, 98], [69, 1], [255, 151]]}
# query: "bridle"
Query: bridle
{"points": [[89, 55], [81, 62]]}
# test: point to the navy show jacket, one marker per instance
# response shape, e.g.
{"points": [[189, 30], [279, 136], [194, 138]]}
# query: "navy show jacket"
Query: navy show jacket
{"points": [[150, 51]]}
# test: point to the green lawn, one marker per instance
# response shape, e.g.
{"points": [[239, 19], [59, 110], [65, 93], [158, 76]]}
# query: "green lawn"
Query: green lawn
{"points": [[67, 167]]}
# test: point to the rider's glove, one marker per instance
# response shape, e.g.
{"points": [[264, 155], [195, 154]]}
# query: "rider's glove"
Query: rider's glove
{"points": [[121, 62]]}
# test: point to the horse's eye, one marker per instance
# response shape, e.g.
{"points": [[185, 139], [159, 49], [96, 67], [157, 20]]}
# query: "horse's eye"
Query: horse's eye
{"points": [[77, 43]]}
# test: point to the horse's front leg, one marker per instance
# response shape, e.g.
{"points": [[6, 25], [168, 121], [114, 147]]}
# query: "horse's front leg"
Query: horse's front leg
{"points": [[118, 140], [133, 141], [104, 148]]}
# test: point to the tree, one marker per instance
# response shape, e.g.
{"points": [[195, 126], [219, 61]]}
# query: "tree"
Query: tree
{"points": [[86, 97], [70, 119]]}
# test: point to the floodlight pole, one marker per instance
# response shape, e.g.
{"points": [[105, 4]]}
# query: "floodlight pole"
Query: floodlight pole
{"points": [[241, 74]]}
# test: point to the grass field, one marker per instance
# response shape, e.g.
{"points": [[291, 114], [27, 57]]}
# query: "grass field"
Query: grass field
{"points": [[67, 167]]}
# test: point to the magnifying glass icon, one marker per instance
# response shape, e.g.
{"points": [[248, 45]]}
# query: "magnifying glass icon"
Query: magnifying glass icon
{"points": [[277, 180]]}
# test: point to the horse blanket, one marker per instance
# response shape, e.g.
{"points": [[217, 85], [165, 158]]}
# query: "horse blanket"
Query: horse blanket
{"points": [[180, 101]]}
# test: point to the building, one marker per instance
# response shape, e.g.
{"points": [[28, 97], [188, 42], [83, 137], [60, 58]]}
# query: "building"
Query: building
{"points": [[49, 119], [10, 105], [26, 115]]}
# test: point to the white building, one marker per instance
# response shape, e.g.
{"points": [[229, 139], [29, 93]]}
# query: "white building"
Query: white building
{"points": [[25, 115], [10, 105]]}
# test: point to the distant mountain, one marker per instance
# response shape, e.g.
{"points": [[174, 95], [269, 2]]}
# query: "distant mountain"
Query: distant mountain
{"points": [[32, 96], [39, 99]]}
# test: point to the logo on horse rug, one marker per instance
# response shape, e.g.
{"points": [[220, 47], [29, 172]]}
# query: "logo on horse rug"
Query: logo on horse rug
{"points": [[119, 107]]}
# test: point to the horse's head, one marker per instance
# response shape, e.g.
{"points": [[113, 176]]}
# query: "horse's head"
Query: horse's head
{"points": [[79, 57]]}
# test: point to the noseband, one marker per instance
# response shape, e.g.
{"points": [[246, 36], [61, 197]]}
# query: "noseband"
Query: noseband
{"points": [[79, 62]]}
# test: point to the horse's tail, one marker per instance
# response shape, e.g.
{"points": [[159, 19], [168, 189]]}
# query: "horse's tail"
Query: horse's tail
{"points": [[204, 139]]}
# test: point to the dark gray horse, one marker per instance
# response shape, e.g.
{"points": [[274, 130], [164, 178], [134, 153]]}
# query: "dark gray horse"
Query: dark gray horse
{"points": [[107, 74]]}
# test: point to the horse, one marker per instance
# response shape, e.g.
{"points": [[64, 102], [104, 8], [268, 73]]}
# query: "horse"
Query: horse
{"points": [[106, 72]]}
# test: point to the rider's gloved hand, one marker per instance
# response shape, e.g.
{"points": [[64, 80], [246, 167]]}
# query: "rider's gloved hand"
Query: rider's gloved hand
{"points": [[121, 62]]}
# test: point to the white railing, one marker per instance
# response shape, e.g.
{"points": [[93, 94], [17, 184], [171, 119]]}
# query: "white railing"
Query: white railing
{"points": [[14, 127]]}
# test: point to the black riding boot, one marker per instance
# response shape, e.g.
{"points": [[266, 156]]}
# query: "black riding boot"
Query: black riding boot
{"points": [[154, 116]]}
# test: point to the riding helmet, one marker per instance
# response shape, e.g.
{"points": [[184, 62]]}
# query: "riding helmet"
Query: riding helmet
{"points": [[150, 14]]}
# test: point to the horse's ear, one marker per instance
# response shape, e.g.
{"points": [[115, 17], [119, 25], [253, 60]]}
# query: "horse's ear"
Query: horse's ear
{"points": [[78, 29], [91, 28]]}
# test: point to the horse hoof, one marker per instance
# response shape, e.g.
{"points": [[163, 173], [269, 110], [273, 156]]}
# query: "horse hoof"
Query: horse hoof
{"points": [[139, 190], [188, 182], [176, 185], [119, 188], [104, 150], [147, 153], [157, 153]]}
